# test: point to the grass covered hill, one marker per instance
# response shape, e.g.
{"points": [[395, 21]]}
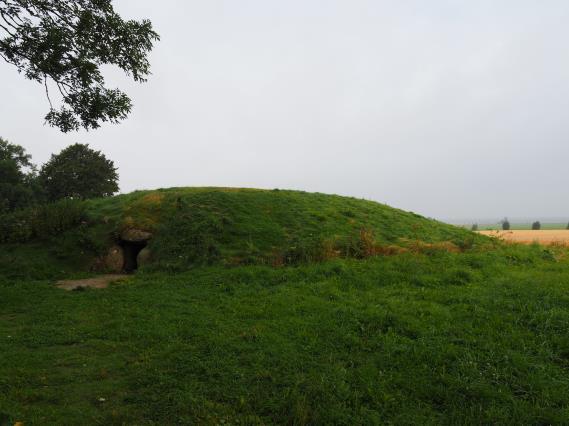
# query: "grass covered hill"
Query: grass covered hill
{"points": [[303, 309], [193, 226]]}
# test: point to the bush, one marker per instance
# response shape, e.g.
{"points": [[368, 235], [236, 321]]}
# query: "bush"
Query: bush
{"points": [[475, 227], [41, 222], [505, 224], [536, 226]]}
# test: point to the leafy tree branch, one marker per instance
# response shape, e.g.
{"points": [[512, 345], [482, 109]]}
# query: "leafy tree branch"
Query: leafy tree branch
{"points": [[66, 43]]}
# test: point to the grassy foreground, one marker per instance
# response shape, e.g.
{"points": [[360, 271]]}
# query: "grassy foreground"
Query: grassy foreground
{"points": [[447, 338], [278, 307]]}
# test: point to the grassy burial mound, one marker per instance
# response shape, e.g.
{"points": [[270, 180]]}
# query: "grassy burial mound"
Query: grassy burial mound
{"points": [[453, 329], [173, 229]]}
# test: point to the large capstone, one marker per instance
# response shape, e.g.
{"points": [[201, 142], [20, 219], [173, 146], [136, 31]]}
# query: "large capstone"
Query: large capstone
{"points": [[135, 236]]}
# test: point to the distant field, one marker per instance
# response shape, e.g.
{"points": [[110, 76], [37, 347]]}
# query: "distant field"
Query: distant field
{"points": [[547, 236]]}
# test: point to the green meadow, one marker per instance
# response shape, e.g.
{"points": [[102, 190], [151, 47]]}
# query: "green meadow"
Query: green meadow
{"points": [[278, 307]]}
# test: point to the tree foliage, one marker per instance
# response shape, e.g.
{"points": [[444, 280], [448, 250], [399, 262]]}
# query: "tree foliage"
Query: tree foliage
{"points": [[536, 226], [505, 224], [64, 43], [79, 172], [16, 176]]}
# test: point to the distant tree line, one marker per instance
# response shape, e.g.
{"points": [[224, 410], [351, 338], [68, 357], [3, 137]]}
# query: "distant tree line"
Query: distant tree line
{"points": [[506, 226], [77, 172]]}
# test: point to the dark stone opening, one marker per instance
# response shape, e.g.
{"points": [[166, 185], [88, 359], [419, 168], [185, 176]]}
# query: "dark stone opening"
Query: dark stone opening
{"points": [[130, 252]]}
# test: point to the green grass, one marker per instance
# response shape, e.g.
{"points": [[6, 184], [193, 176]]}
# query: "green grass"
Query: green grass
{"points": [[473, 332], [470, 338]]}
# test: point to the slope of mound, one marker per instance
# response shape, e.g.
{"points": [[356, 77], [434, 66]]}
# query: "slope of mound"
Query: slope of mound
{"points": [[243, 226]]}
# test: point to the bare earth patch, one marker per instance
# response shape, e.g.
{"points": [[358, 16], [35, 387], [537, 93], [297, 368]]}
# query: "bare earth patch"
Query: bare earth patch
{"points": [[545, 237], [101, 281]]}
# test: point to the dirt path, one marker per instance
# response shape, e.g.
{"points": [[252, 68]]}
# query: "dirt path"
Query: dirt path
{"points": [[101, 281]]}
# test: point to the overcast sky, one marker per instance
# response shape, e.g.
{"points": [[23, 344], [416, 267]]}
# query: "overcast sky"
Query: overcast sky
{"points": [[452, 109]]}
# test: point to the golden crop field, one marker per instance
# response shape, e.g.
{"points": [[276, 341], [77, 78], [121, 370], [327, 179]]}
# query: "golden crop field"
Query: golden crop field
{"points": [[545, 237]]}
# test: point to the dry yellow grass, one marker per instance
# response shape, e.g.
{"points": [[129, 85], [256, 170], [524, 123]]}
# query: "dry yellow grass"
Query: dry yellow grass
{"points": [[545, 237]]}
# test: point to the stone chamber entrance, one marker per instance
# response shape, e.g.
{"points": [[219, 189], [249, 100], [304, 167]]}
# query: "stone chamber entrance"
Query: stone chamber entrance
{"points": [[131, 250]]}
